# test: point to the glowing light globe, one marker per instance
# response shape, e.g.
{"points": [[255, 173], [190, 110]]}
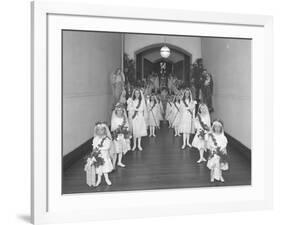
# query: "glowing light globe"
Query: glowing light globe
{"points": [[165, 52]]}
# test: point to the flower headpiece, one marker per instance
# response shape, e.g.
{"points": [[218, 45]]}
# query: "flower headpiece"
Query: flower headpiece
{"points": [[203, 105], [103, 125], [190, 93], [135, 89], [218, 123], [119, 105]]}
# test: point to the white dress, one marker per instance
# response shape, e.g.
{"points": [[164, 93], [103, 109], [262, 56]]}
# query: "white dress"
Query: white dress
{"points": [[160, 110], [153, 119], [168, 113], [130, 114], [104, 150], [156, 82], [172, 113], [175, 120], [214, 162], [186, 117], [170, 83], [137, 117], [121, 145], [199, 142]]}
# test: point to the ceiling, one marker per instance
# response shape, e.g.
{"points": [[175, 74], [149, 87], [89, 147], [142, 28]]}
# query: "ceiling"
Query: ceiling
{"points": [[154, 55]]}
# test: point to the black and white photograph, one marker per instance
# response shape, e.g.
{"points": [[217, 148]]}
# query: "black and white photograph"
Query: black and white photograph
{"points": [[154, 111]]}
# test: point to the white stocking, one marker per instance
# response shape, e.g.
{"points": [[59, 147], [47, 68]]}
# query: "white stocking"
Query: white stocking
{"points": [[114, 159], [201, 152], [98, 180], [176, 131], [212, 175], [187, 140], [135, 144], [120, 155], [184, 140], [107, 179], [139, 144]]}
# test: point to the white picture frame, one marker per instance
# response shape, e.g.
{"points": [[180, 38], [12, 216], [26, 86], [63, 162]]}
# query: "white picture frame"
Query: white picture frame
{"points": [[47, 206]]}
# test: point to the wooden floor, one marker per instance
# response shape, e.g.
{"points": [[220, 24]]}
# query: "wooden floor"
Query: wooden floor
{"points": [[160, 165]]}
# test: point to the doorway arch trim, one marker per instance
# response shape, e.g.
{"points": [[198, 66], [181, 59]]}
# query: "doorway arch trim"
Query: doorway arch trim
{"points": [[159, 45]]}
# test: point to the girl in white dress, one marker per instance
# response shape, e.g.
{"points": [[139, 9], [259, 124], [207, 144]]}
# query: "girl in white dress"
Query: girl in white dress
{"points": [[160, 108], [137, 113], [175, 120], [216, 144], [202, 124], [153, 120], [169, 109], [122, 98], [187, 112], [101, 145], [120, 131]]}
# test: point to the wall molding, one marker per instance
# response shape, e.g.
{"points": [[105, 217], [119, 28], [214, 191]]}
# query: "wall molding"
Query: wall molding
{"points": [[79, 152], [241, 148]]}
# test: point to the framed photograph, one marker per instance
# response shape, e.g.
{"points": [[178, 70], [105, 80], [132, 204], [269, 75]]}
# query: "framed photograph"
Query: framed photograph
{"points": [[141, 112]]}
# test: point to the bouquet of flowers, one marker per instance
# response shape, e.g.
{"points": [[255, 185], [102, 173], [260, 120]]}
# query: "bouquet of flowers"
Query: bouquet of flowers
{"points": [[219, 151], [202, 134], [223, 155], [122, 129], [97, 159], [205, 129]]}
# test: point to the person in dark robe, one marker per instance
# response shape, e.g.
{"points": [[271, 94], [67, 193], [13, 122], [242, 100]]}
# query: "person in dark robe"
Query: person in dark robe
{"points": [[196, 79], [207, 90]]}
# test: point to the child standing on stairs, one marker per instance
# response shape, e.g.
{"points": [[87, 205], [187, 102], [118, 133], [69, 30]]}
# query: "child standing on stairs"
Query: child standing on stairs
{"points": [[187, 112]]}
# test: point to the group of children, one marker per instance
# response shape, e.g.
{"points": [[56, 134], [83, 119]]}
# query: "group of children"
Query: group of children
{"points": [[180, 113], [142, 113]]}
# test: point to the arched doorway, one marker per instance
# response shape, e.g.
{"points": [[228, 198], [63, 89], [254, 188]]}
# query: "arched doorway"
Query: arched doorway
{"points": [[148, 60]]}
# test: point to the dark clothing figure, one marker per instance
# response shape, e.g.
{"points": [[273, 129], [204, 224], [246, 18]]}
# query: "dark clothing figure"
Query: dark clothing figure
{"points": [[207, 91], [197, 70]]}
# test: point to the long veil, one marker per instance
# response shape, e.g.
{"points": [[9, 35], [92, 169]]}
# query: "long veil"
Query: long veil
{"points": [[103, 125], [114, 125], [145, 112], [207, 117]]}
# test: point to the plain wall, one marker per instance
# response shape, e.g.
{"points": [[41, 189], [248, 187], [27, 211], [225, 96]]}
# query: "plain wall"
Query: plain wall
{"points": [[88, 60], [229, 61], [134, 42]]}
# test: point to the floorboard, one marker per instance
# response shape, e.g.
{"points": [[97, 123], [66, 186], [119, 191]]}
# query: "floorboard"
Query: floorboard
{"points": [[161, 165]]}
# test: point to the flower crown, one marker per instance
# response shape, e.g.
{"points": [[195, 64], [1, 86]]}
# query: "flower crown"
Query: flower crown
{"points": [[203, 105], [101, 124], [136, 89], [187, 90], [218, 123], [119, 105]]}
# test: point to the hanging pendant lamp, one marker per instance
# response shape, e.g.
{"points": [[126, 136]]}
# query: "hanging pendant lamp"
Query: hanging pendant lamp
{"points": [[165, 51]]}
